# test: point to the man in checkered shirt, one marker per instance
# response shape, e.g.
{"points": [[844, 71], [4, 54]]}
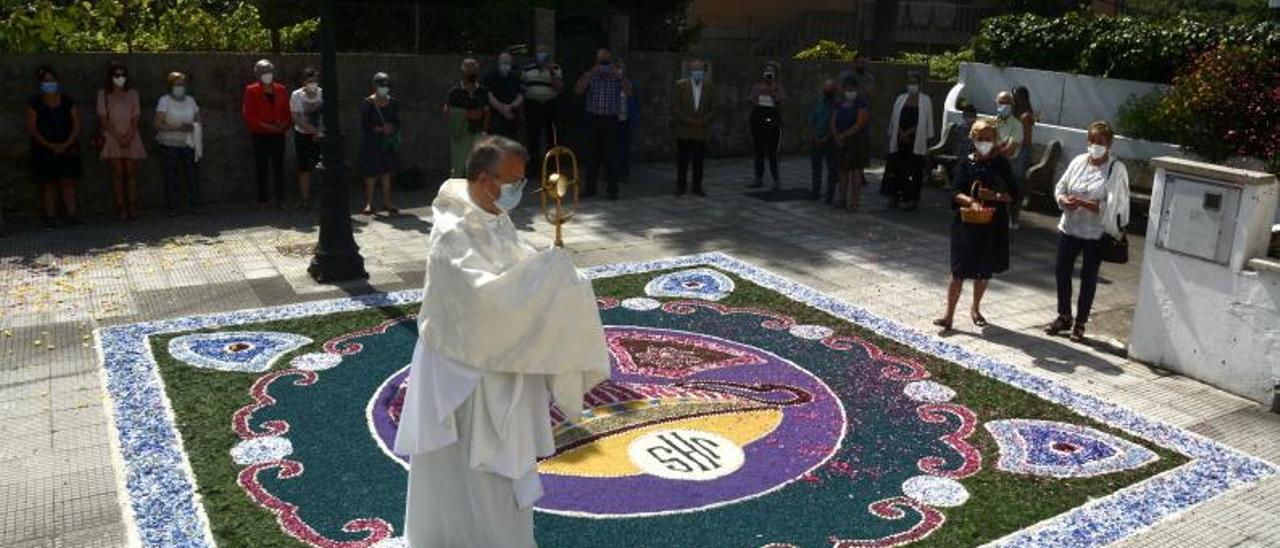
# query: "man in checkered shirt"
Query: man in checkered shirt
{"points": [[605, 90]]}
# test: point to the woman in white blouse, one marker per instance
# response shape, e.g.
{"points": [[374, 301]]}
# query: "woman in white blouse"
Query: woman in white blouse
{"points": [[178, 138], [1094, 196]]}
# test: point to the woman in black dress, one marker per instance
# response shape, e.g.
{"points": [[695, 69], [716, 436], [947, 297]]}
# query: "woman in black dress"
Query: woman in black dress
{"points": [[979, 251], [54, 127], [379, 142]]}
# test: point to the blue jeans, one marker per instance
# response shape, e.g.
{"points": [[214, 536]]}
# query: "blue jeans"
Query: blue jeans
{"points": [[1070, 247], [820, 156], [179, 164]]}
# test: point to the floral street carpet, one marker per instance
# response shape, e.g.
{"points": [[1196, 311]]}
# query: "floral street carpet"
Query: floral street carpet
{"points": [[744, 410]]}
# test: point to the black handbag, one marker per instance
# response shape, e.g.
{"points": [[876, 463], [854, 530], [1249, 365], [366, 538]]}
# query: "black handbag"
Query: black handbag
{"points": [[1114, 251]]}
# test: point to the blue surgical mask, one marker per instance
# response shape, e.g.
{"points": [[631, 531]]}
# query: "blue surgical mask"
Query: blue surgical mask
{"points": [[697, 75], [1004, 110], [542, 57], [48, 88], [510, 195]]}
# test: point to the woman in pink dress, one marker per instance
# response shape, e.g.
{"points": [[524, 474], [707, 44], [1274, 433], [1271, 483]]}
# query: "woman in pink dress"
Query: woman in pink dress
{"points": [[118, 113]]}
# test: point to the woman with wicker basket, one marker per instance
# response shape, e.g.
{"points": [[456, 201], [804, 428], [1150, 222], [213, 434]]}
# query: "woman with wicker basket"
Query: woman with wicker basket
{"points": [[980, 232]]}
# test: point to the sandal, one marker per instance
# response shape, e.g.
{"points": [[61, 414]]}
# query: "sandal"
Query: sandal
{"points": [[1059, 325], [367, 211], [978, 319], [1077, 333], [944, 323], [391, 210]]}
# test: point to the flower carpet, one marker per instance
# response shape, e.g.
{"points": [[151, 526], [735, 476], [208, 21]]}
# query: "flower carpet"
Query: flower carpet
{"points": [[743, 410]]}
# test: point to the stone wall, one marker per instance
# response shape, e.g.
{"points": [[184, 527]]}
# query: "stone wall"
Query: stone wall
{"points": [[420, 83]]}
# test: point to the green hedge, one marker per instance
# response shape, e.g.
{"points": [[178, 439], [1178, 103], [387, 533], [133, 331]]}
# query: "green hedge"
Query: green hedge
{"points": [[1133, 48]]}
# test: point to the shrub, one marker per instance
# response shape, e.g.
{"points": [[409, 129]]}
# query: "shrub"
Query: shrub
{"points": [[826, 50], [943, 66], [1143, 118], [1135, 48], [1227, 103]]}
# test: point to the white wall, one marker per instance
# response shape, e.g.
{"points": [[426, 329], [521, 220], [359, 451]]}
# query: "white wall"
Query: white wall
{"points": [[1065, 105], [1219, 323]]}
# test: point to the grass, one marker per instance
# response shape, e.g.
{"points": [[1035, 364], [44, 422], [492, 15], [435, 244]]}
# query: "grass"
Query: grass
{"points": [[204, 402]]}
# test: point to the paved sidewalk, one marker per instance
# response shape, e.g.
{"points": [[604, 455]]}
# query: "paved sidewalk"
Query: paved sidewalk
{"points": [[57, 485]]}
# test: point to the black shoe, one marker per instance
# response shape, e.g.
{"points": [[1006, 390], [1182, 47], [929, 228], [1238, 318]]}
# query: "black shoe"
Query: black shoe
{"points": [[49, 223], [1059, 325], [893, 203], [700, 193], [757, 184], [75, 221]]}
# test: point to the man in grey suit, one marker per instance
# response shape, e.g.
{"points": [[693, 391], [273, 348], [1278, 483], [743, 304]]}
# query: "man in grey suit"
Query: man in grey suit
{"points": [[692, 106]]}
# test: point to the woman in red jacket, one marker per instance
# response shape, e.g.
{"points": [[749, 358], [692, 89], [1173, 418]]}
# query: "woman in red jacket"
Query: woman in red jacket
{"points": [[266, 114]]}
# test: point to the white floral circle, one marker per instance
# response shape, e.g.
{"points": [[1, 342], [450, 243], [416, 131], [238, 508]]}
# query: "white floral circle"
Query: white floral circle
{"points": [[258, 450], [316, 361], [928, 392], [811, 332], [935, 491], [640, 303]]}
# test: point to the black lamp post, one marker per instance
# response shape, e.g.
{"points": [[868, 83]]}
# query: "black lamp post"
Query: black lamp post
{"points": [[337, 257]]}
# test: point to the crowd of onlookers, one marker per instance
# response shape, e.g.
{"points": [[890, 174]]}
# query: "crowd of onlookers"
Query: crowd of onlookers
{"points": [[987, 165]]}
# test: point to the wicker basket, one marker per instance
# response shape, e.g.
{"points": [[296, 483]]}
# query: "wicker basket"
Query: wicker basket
{"points": [[982, 216]]}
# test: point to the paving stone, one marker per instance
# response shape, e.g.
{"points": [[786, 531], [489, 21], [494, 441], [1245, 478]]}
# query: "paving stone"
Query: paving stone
{"points": [[57, 485]]}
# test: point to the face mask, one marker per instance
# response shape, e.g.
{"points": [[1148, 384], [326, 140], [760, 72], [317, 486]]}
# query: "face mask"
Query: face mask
{"points": [[913, 89], [1096, 151], [510, 196], [1004, 111], [267, 78], [118, 81], [850, 95], [504, 68], [383, 91], [983, 147], [542, 57], [312, 87], [178, 92], [48, 88], [697, 75]]}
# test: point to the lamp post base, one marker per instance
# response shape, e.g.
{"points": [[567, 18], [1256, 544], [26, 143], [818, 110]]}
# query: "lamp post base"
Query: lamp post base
{"points": [[330, 268]]}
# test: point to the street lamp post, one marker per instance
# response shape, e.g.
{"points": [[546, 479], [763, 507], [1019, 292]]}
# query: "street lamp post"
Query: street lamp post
{"points": [[337, 257]]}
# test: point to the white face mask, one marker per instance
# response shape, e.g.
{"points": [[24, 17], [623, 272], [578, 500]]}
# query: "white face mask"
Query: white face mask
{"points": [[913, 89], [850, 95], [118, 81], [312, 87], [1096, 151], [384, 91], [1004, 111], [179, 92], [983, 147], [504, 68], [267, 78]]}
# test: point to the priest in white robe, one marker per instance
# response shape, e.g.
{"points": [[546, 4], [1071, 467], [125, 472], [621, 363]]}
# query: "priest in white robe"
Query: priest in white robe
{"points": [[504, 330]]}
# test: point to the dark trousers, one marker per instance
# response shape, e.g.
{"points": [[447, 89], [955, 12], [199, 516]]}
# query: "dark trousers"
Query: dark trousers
{"points": [[1069, 247], [624, 150], [766, 145], [179, 165], [602, 149], [823, 156], [687, 151], [539, 129], [905, 171], [268, 155]]}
